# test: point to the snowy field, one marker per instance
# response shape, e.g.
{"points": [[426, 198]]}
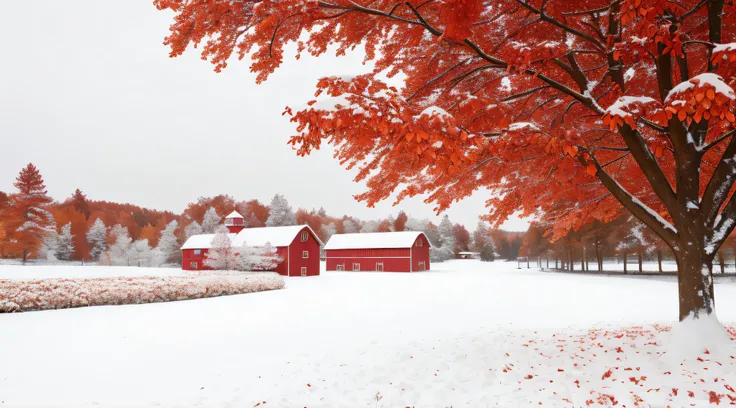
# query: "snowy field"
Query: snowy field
{"points": [[66, 270], [467, 334]]}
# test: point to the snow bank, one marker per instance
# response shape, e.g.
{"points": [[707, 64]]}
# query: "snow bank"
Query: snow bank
{"points": [[44, 294], [692, 337]]}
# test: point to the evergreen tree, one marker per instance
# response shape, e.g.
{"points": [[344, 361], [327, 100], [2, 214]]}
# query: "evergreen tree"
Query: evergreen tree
{"points": [[79, 201], [120, 250], [446, 246], [65, 243], [483, 242], [211, 221], [29, 219], [280, 213], [97, 238], [168, 246]]}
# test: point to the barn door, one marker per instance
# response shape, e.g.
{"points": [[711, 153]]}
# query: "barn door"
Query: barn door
{"points": [[379, 267], [304, 271]]}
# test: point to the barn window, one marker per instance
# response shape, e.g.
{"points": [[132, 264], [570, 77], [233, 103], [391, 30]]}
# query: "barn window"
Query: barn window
{"points": [[193, 265], [419, 243], [197, 252], [304, 271], [305, 254], [305, 236], [356, 267], [340, 267], [379, 267]]}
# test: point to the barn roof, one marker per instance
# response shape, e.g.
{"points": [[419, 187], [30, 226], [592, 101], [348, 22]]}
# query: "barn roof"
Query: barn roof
{"points": [[234, 214], [374, 240], [202, 241], [276, 236]]}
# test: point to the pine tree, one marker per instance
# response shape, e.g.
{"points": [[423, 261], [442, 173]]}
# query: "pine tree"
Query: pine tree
{"points": [[97, 238], [120, 250], [483, 242], [192, 229], [446, 248], [29, 221], [328, 230], [211, 221], [280, 213], [369, 226], [221, 256], [168, 245], [79, 200], [65, 243]]}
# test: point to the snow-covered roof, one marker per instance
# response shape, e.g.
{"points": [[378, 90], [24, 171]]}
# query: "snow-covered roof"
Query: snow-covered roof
{"points": [[202, 241], [276, 236], [402, 239], [234, 214]]}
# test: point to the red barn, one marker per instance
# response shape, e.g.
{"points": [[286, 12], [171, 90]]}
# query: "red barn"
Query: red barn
{"points": [[298, 245], [405, 251]]}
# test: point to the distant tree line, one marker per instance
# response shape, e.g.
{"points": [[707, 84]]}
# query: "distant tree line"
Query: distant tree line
{"points": [[33, 225], [623, 239]]}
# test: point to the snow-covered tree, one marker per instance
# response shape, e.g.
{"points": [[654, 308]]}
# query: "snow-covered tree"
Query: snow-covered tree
{"points": [[369, 226], [280, 213], [65, 243], [47, 250], [168, 246], [192, 229], [261, 258], [211, 221], [120, 250], [483, 242], [349, 226], [97, 238], [446, 248], [221, 255], [27, 218], [415, 224], [328, 230]]}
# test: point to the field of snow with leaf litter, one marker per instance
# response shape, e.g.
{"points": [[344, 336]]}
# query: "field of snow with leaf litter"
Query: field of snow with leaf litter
{"points": [[467, 334]]}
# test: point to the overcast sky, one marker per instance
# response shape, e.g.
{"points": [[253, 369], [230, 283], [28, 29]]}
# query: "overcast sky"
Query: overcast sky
{"points": [[89, 94]]}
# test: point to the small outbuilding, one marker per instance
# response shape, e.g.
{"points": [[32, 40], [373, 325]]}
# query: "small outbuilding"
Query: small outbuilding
{"points": [[405, 251], [297, 245]]}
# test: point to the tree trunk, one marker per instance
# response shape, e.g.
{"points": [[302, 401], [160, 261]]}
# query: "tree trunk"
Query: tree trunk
{"points": [[695, 284], [641, 259], [25, 255], [659, 259], [625, 259], [570, 263], [722, 262], [547, 260], [557, 264], [527, 262]]}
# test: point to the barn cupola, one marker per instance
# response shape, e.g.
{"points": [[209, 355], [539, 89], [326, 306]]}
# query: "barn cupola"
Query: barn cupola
{"points": [[235, 222]]}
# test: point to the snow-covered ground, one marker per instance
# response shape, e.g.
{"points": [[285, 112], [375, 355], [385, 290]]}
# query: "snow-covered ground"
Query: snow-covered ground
{"points": [[67, 270], [467, 334]]}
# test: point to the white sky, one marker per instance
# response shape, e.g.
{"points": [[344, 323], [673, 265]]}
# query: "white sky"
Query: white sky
{"points": [[89, 94]]}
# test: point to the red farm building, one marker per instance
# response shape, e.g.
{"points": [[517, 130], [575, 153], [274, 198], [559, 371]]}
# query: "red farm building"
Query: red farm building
{"points": [[406, 251], [298, 245]]}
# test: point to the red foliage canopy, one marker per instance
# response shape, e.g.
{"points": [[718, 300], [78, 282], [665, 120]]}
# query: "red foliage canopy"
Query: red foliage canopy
{"points": [[509, 95]]}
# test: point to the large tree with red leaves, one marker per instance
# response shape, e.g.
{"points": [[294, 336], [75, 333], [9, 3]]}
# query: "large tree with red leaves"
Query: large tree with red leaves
{"points": [[567, 110]]}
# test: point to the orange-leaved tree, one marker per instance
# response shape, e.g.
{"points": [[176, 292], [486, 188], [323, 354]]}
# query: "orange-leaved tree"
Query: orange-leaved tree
{"points": [[28, 220], [570, 110]]}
